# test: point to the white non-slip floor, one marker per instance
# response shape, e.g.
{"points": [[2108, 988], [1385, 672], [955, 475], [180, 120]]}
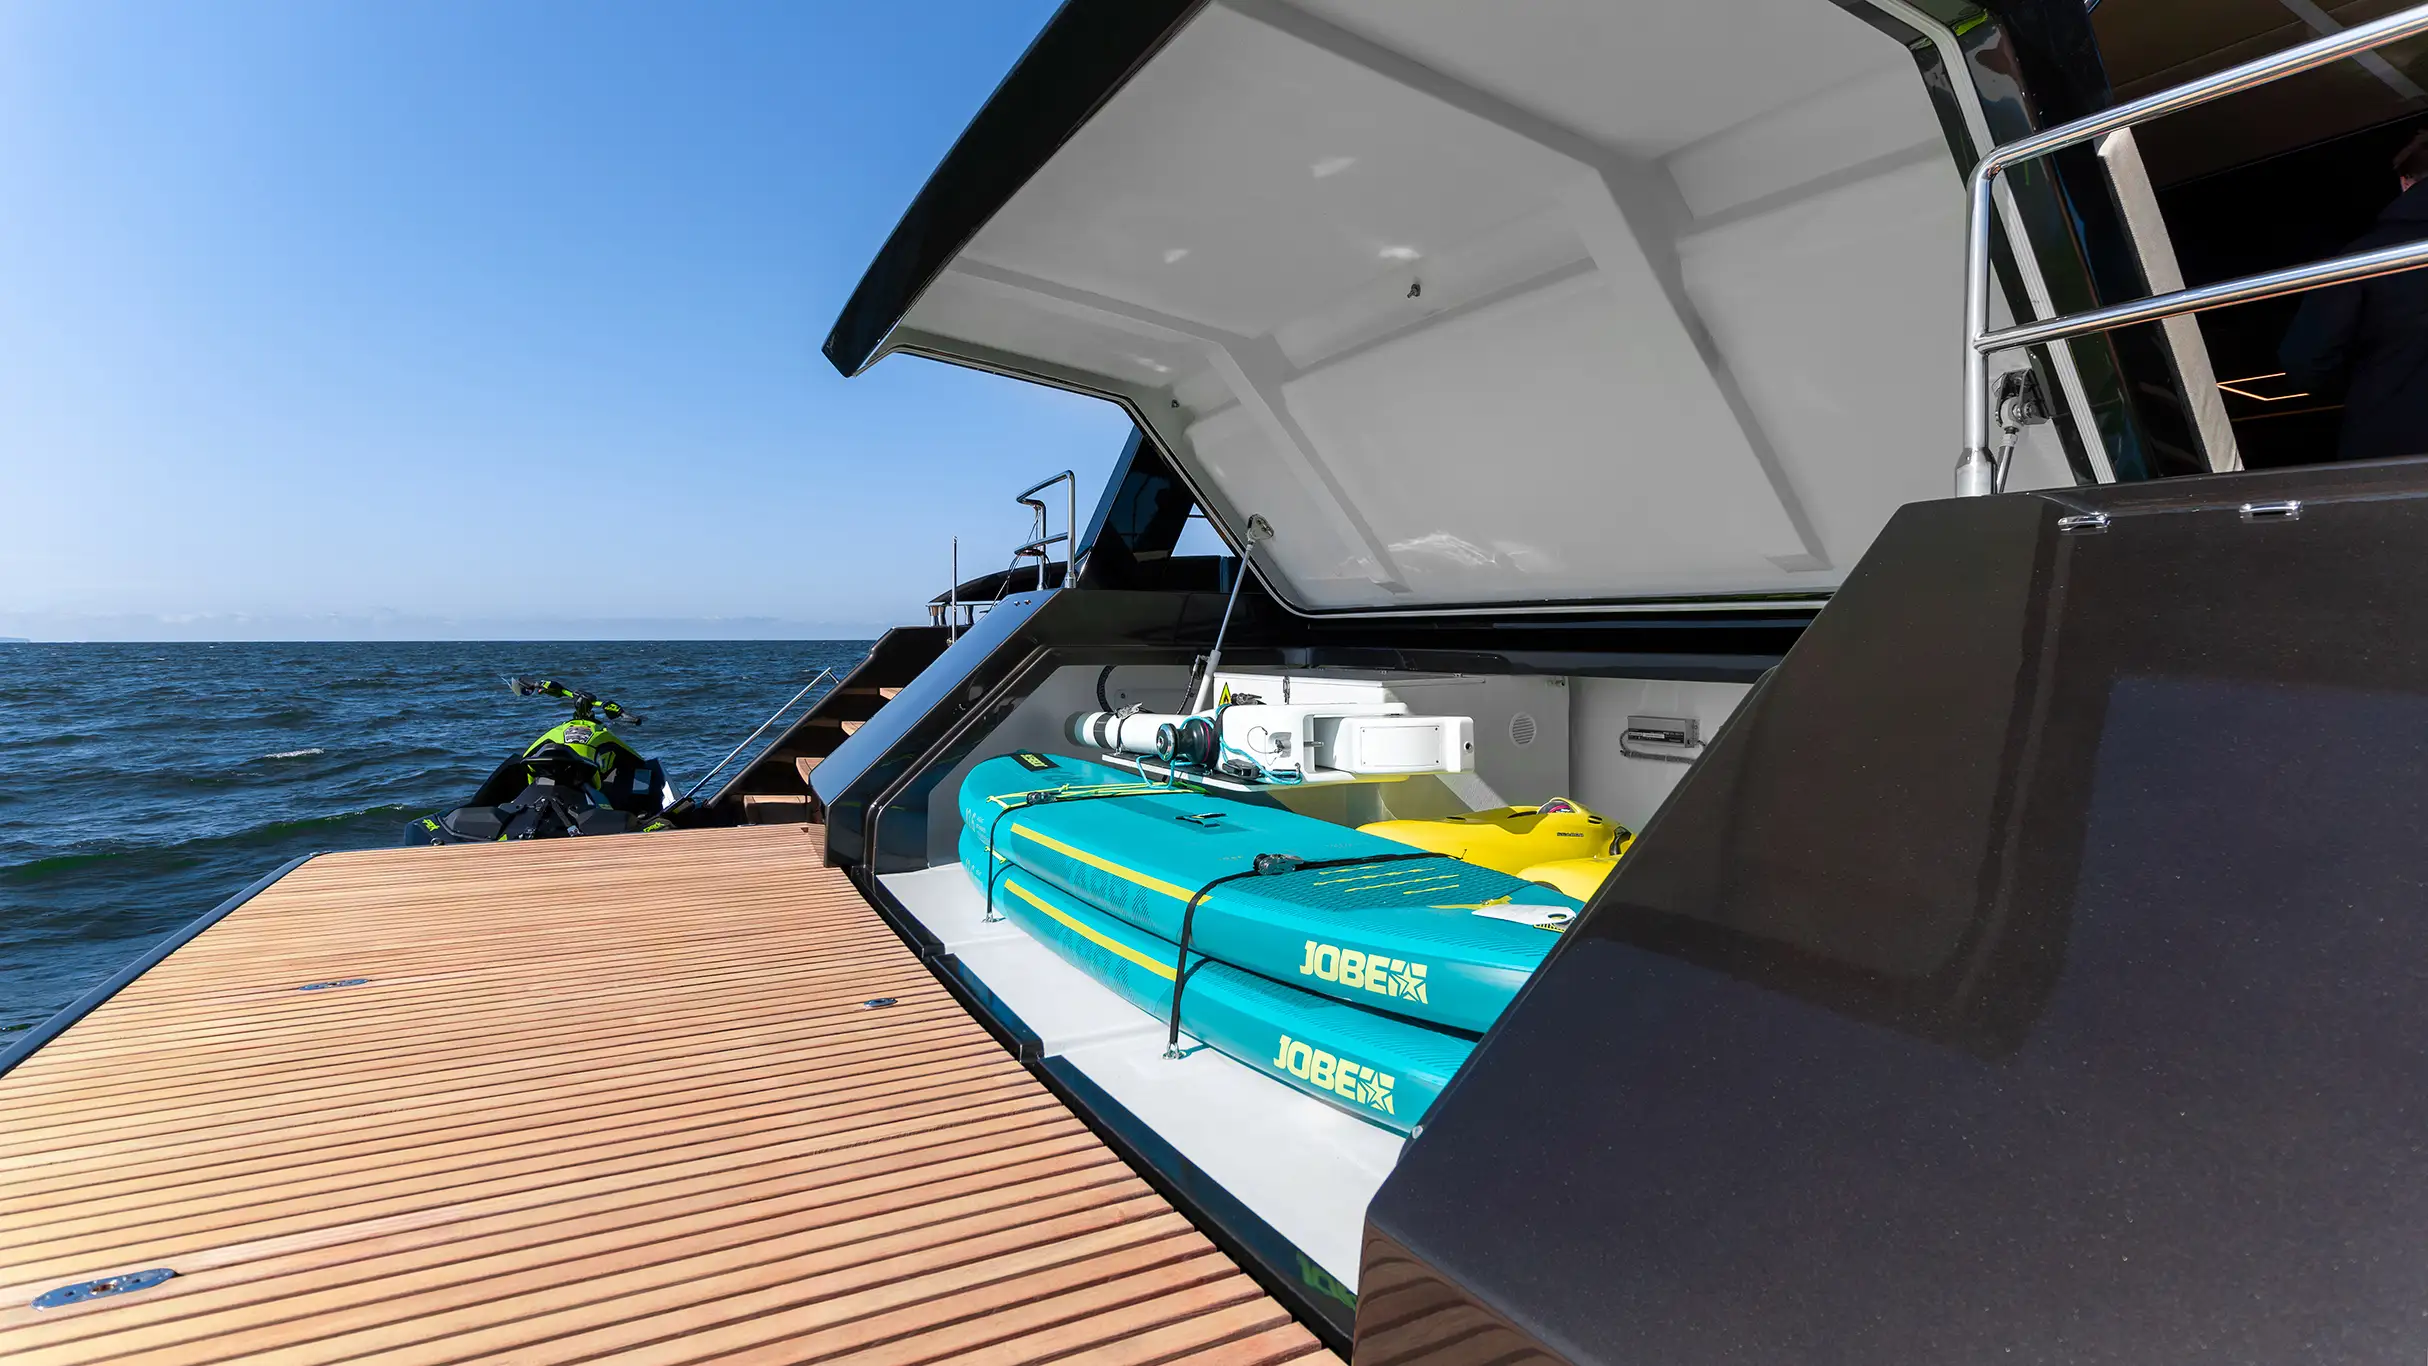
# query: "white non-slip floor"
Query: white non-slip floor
{"points": [[1304, 1167]]}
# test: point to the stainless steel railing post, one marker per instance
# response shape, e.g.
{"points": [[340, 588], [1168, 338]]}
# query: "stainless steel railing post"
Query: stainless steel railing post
{"points": [[1976, 467]]}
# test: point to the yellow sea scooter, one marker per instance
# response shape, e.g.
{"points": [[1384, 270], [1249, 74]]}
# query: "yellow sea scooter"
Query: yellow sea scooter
{"points": [[1559, 843]]}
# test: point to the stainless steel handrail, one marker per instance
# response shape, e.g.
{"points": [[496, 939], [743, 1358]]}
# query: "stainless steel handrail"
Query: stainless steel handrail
{"points": [[2292, 280], [1069, 537], [823, 675], [1976, 469], [1036, 550]]}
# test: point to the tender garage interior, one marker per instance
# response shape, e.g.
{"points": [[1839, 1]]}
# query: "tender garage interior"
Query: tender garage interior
{"points": [[1615, 747]]}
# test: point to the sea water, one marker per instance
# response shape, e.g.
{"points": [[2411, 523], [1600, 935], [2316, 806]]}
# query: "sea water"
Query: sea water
{"points": [[140, 785]]}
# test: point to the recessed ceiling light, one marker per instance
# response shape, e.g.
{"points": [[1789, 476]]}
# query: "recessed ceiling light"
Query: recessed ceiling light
{"points": [[1400, 253], [1331, 166], [1173, 256]]}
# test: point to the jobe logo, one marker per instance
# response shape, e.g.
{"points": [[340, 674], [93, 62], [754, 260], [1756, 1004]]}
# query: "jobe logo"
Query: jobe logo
{"points": [[1367, 971], [1341, 1076], [1320, 1281]]}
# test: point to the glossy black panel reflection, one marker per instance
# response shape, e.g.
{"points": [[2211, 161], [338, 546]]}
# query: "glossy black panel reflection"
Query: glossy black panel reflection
{"points": [[899, 745], [1842, 836], [1138, 518], [2036, 972], [848, 779]]}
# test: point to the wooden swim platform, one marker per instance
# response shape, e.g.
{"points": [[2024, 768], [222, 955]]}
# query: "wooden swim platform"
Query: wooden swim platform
{"points": [[655, 1098]]}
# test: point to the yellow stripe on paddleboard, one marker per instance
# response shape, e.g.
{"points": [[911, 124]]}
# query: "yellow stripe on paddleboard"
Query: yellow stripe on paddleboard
{"points": [[1386, 876], [1127, 874], [1163, 970], [1419, 883], [1424, 883]]}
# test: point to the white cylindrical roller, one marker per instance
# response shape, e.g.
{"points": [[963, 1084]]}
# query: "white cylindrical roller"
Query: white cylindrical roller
{"points": [[1133, 733]]}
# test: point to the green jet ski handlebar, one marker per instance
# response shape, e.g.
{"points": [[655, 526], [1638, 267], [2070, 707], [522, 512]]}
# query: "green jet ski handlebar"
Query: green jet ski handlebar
{"points": [[584, 704]]}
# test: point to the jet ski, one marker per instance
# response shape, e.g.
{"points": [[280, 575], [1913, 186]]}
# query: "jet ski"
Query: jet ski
{"points": [[578, 779]]}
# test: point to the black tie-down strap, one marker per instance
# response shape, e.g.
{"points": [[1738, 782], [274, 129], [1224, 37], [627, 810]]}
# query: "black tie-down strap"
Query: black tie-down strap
{"points": [[1046, 797], [1266, 865]]}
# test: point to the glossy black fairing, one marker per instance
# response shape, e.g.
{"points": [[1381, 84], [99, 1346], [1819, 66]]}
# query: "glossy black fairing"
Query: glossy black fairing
{"points": [[2035, 971], [890, 762]]}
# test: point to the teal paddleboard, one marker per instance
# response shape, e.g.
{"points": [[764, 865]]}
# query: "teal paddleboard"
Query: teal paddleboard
{"points": [[1433, 939], [1382, 1070]]}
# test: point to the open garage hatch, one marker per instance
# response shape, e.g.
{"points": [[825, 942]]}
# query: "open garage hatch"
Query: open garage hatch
{"points": [[1598, 303]]}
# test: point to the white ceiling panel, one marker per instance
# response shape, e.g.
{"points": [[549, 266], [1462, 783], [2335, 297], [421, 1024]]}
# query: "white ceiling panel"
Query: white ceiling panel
{"points": [[1253, 172], [1532, 451], [1644, 78], [1406, 278]]}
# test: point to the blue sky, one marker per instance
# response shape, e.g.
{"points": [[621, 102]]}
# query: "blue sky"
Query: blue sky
{"points": [[415, 319]]}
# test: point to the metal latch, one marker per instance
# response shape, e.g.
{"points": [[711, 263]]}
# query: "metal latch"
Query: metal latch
{"points": [[106, 1286]]}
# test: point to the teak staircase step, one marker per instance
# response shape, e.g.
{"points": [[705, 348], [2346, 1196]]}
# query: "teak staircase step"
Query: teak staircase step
{"points": [[783, 808], [677, 1096]]}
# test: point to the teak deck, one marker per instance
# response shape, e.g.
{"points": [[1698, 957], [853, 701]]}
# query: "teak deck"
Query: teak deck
{"points": [[629, 1099]]}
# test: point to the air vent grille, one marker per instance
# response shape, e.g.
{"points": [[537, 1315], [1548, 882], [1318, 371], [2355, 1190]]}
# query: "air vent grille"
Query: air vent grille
{"points": [[1521, 729]]}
